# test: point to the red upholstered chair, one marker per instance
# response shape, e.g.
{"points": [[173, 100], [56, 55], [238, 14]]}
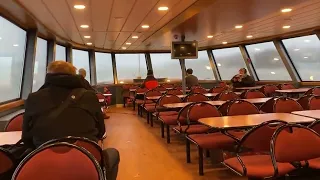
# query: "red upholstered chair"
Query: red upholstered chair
{"points": [[102, 100], [286, 105], [7, 164], [286, 86], [148, 106], [267, 107], [296, 143], [160, 88], [168, 86], [269, 90], [15, 123], [174, 92], [61, 161], [200, 90], [314, 103], [304, 101], [138, 98], [227, 95], [313, 91], [241, 107], [315, 126], [251, 94], [223, 109], [179, 87], [195, 97], [217, 89], [258, 163]]}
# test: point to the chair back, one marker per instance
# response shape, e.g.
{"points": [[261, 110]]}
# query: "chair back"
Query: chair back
{"points": [[227, 95], [223, 109], [315, 126], [269, 90], [286, 86], [168, 86], [166, 99], [183, 113], [101, 98], [160, 88], [241, 107], [286, 105], [314, 103], [7, 162], [251, 94], [294, 143], [217, 89], [304, 101], [61, 161], [267, 107], [150, 93], [15, 123], [313, 91], [195, 97], [141, 90], [200, 90], [201, 110], [178, 87], [174, 92]]}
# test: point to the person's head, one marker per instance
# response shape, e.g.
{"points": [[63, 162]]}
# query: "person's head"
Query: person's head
{"points": [[82, 72], [61, 67], [243, 71], [150, 73], [189, 71]]}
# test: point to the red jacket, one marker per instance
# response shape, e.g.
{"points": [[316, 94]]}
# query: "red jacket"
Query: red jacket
{"points": [[150, 82]]}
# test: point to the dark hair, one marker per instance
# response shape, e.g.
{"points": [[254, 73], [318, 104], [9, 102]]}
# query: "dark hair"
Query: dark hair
{"points": [[189, 71], [244, 69], [150, 72]]}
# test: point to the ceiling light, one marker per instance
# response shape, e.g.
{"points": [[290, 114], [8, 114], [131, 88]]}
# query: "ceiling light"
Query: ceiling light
{"points": [[210, 36], [296, 49], [16, 45], [163, 8], [224, 42], [286, 27], [87, 37], [89, 43], [128, 43], [84, 26], [273, 73], [257, 49], [311, 78], [145, 26], [135, 37], [79, 6], [249, 36], [208, 67], [286, 10], [307, 40], [306, 57], [0, 38], [238, 26], [124, 48], [276, 59], [219, 64]]}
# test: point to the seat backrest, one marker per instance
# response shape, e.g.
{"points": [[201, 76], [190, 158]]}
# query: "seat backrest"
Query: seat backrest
{"points": [[152, 92], [286, 105], [304, 101], [241, 107], [195, 97], [15, 123], [217, 89], [183, 113], [167, 85], [199, 90], [228, 95], [100, 96], [7, 161], [254, 94], [313, 91], [201, 110], [179, 87], [314, 103], [269, 89], [174, 92], [167, 99], [293, 142], [315, 126], [267, 107], [223, 109], [160, 88], [286, 86], [141, 90], [61, 161]]}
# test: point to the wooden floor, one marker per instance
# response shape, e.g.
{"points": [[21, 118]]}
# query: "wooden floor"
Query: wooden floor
{"points": [[146, 156]]}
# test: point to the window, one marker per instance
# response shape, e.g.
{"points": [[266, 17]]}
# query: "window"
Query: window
{"points": [[61, 53], [228, 61], [39, 70], [104, 68], [304, 53], [201, 66], [165, 67], [131, 66], [81, 60], [12, 50], [267, 62]]}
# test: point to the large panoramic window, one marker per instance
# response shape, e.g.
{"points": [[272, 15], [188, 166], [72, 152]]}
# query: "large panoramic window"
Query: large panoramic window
{"points": [[165, 67], [130, 67], [12, 50], [61, 53], [267, 62], [104, 68], [228, 62], [81, 60], [305, 55], [40, 64], [201, 66]]}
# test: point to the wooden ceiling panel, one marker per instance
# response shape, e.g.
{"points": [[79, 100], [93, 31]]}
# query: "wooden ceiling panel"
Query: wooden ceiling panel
{"points": [[120, 12], [99, 39], [122, 38], [83, 16], [101, 11]]}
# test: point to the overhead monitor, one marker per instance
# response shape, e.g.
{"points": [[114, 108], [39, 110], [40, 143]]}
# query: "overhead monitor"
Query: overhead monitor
{"points": [[184, 50]]}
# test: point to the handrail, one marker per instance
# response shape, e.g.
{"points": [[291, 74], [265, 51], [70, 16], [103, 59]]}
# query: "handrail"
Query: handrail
{"points": [[11, 105]]}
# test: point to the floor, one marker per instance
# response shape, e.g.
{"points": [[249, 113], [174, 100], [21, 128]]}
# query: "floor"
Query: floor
{"points": [[145, 155]]}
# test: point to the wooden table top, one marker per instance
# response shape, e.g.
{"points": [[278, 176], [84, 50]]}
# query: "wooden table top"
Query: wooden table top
{"points": [[258, 100], [182, 96], [226, 122], [308, 113], [300, 90], [107, 94], [10, 137], [249, 88]]}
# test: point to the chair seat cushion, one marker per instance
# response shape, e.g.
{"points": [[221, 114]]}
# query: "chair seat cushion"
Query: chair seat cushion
{"points": [[168, 113], [314, 163], [150, 108], [172, 120], [139, 101], [258, 166], [193, 129], [212, 140]]}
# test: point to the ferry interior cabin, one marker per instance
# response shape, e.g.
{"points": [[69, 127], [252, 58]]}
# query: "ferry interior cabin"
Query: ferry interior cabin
{"points": [[185, 89]]}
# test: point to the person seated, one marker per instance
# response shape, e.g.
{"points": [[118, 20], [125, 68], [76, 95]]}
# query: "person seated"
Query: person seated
{"points": [[191, 80], [150, 82], [83, 73], [64, 107], [242, 79]]}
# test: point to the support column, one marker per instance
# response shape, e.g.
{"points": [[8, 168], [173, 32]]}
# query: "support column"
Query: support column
{"points": [[114, 68], [69, 53], [213, 66], [148, 61], [93, 70], [27, 80], [248, 63], [51, 51]]}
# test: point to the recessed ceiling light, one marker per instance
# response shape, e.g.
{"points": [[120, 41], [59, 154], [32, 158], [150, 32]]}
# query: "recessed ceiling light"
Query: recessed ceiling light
{"points": [[123, 48], [84, 26], [257, 49], [128, 43], [249, 36], [79, 6], [135, 37], [145, 26], [238, 26], [210, 36], [286, 10], [273, 73], [16, 45], [163, 8], [306, 57], [0, 38], [87, 37], [219, 64], [286, 27], [296, 49], [224, 42], [276, 59], [307, 40], [89, 43]]}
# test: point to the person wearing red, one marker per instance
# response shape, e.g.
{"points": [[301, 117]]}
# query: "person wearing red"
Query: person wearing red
{"points": [[150, 82]]}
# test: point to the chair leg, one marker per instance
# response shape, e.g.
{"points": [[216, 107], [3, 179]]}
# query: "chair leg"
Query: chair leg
{"points": [[124, 102], [162, 129], [151, 119], [168, 134], [134, 105], [200, 151], [207, 153], [188, 151], [148, 120]]}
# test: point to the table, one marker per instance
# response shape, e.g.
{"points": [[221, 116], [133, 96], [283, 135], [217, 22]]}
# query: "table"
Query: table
{"points": [[249, 88], [10, 137], [292, 91], [229, 122], [257, 100], [107, 94], [308, 113]]}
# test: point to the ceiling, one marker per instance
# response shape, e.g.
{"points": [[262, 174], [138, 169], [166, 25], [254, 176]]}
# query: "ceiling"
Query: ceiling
{"points": [[112, 23]]}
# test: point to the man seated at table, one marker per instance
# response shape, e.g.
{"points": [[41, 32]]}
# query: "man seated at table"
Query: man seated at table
{"points": [[242, 79], [150, 82], [64, 107], [191, 80]]}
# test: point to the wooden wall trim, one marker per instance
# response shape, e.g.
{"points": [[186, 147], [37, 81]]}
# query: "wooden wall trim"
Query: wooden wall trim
{"points": [[11, 105]]}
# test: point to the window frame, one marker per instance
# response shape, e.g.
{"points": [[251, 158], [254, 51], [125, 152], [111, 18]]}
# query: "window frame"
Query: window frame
{"points": [[55, 49], [47, 55], [113, 66], [89, 61]]}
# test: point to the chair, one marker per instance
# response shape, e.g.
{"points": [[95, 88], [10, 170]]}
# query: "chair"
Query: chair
{"points": [[168, 86], [7, 164], [174, 92], [148, 106], [286, 105], [296, 143], [138, 98], [286, 86], [251, 94], [195, 97], [223, 109], [200, 90], [102, 100], [241, 107], [269, 90], [313, 91], [160, 88], [227, 95], [304, 101], [258, 164], [61, 161], [15, 123], [314, 103], [267, 107], [217, 89], [315, 126]]}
